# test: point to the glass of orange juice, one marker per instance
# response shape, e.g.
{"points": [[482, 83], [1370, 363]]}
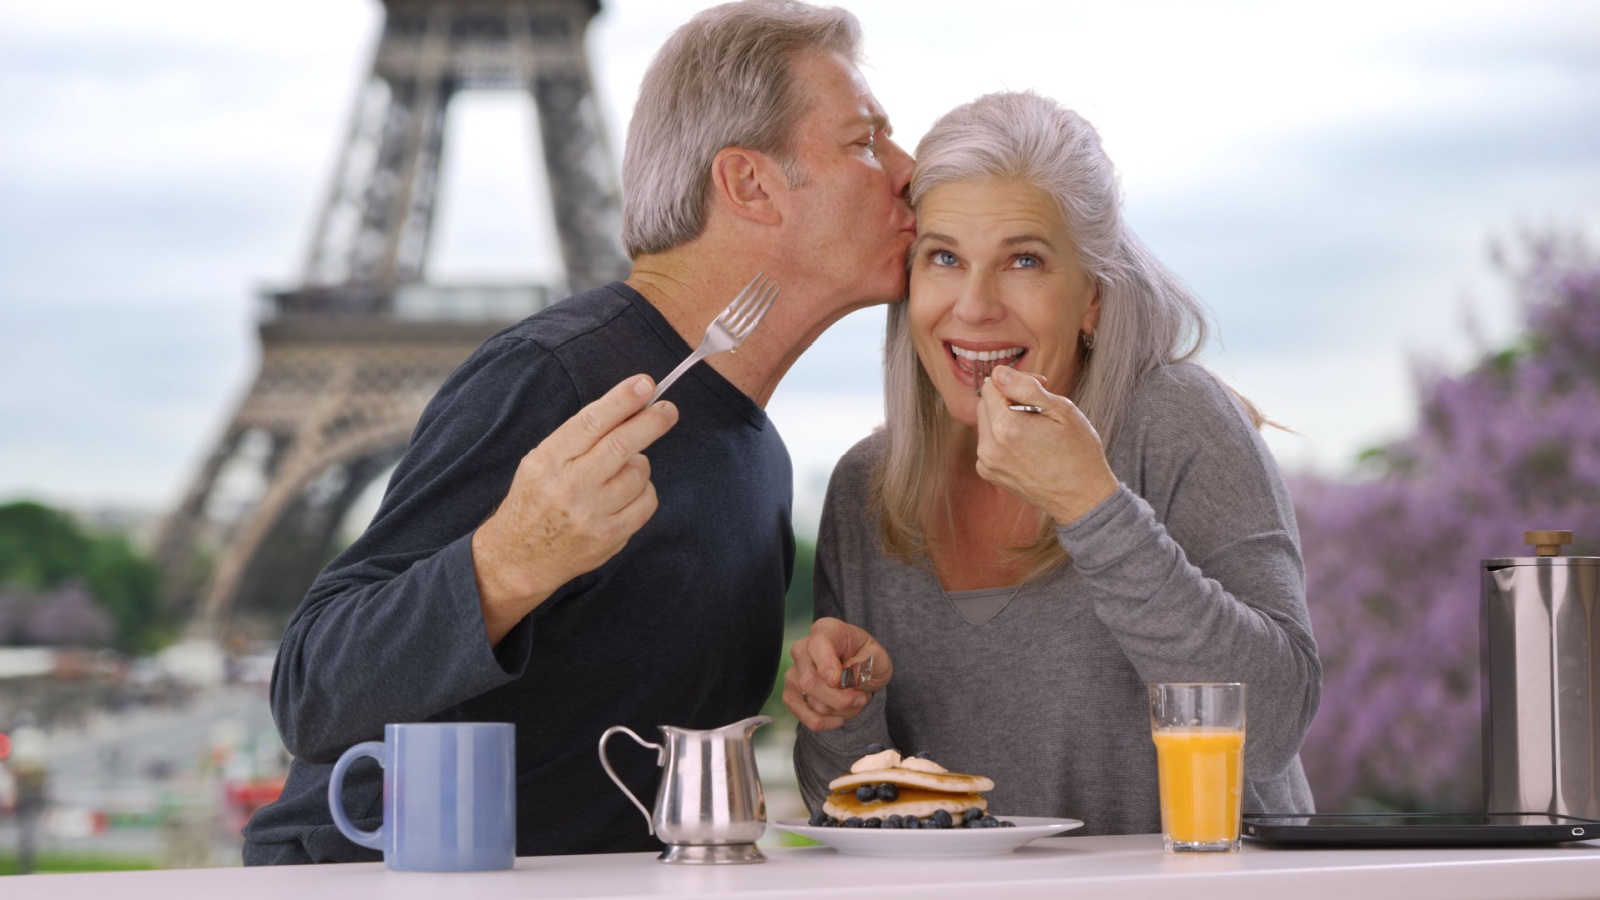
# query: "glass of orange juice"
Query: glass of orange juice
{"points": [[1199, 735]]}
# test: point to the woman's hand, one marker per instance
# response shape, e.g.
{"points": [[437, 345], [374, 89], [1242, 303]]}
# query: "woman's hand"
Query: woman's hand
{"points": [[811, 686], [1052, 459]]}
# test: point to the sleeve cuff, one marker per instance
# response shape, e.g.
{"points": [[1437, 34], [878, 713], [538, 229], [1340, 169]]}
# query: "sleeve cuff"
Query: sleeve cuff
{"points": [[869, 726], [499, 663], [1108, 532]]}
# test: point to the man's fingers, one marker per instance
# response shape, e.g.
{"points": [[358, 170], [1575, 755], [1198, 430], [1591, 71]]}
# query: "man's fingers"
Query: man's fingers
{"points": [[623, 487], [589, 425]]}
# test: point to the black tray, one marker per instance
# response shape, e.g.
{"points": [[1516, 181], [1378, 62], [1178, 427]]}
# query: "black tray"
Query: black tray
{"points": [[1418, 829]]}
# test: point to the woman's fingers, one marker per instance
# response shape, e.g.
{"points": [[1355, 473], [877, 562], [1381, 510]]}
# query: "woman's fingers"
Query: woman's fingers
{"points": [[1052, 459], [812, 690]]}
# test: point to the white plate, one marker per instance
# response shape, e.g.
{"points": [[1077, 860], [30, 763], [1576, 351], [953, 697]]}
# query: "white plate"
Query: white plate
{"points": [[931, 841]]}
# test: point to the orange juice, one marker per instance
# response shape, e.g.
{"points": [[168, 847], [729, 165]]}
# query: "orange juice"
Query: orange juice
{"points": [[1202, 783]]}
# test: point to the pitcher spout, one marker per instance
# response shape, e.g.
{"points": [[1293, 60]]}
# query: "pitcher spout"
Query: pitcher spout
{"points": [[747, 726]]}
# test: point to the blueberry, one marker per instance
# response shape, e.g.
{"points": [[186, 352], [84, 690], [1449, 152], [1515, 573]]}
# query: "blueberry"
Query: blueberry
{"points": [[866, 793], [893, 822], [923, 754], [873, 822], [819, 819], [941, 819], [911, 822], [973, 813], [1007, 823], [989, 822], [853, 822], [887, 791], [875, 748]]}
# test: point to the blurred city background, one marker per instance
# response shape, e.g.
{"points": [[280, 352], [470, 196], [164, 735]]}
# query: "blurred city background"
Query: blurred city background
{"points": [[1390, 208]]}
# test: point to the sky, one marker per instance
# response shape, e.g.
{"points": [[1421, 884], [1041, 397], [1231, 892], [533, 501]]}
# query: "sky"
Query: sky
{"points": [[1328, 177]]}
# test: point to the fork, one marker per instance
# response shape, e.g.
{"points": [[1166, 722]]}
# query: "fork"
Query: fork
{"points": [[729, 329], [982, 369]]}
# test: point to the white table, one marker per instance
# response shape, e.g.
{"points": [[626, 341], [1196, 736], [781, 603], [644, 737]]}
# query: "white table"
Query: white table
{"points": [[1125, 866]]}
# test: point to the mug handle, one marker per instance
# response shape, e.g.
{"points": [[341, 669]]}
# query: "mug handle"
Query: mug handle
{"points": [[661, 756], [370, 839]]}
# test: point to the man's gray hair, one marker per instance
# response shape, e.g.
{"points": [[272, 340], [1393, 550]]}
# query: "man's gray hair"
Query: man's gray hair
{"points": [[723, 79]]}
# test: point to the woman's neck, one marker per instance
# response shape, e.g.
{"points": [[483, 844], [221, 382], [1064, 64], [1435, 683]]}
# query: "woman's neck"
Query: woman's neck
{"points": [[976, 534]]}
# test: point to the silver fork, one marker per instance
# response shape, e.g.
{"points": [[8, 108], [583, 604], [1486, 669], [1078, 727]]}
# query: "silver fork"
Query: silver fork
{"points": [[729, 329], [983, 368]]}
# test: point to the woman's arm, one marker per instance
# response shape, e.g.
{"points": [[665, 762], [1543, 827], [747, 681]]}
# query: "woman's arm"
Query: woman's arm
{"points": [[821, 756], [1195, 560]]}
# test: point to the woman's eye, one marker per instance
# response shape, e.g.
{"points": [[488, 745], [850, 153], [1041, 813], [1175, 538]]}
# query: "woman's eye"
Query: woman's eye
{"points": [[1027, 261], [871, 143], [942, 258]]}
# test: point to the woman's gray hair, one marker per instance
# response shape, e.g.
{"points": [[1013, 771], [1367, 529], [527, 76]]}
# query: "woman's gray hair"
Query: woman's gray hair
{"points": [[1147, 316], [723, 79]]}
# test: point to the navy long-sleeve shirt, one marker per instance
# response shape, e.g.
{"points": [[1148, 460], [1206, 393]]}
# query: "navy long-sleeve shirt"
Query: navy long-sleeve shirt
{"points": [[682, 627]]}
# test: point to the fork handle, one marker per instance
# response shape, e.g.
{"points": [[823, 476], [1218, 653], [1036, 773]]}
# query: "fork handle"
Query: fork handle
{"points": [[661, 388]]}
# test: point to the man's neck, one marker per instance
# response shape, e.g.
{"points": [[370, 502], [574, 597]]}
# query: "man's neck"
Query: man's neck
{"points": [[691, 291]]}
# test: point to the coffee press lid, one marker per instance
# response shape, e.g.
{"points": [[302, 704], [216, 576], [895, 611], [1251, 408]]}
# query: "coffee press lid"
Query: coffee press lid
{"points": [[1547, 552]]}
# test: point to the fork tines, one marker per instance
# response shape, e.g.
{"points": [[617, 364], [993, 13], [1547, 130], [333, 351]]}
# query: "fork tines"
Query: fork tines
{"points": [[747, 309]]}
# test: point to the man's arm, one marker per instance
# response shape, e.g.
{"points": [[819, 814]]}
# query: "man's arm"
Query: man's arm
{"points": [[575, 500], [396, 628]]}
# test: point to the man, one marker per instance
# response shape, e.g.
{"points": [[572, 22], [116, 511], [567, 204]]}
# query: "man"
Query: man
{"points": [[531, 562]]}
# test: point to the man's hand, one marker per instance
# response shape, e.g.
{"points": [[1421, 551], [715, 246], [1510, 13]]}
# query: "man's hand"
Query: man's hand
{"points": [[574, 502], [811, 686]]}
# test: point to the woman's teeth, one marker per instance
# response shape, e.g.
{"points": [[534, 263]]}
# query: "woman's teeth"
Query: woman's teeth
{"points": [[986, 355]]}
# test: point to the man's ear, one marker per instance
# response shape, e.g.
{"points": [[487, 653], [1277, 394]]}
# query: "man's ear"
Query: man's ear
{"points": [[747, 183]]}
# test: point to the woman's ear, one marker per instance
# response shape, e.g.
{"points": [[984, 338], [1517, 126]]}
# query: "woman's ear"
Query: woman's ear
{"points": [[747, 184], [1091, 316]]}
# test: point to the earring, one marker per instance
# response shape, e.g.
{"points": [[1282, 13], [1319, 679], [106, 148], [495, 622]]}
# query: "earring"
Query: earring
{"points": [[1088, 340]]}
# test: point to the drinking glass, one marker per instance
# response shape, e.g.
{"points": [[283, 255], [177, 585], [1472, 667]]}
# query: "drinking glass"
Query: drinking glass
{"points": [[1198, 730]]}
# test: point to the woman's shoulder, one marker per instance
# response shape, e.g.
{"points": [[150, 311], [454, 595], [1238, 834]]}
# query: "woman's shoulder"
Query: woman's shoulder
{"points": [[853, 472], [1180, 397]]}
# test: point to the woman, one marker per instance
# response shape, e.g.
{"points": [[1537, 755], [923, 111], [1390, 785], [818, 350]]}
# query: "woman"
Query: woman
{"points": [[1017, 576]]}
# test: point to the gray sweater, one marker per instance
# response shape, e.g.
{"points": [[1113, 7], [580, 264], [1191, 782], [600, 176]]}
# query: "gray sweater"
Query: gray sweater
{"points": [[1190, 572]]}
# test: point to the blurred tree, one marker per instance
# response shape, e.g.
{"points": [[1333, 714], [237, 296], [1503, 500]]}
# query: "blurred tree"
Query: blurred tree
{"points": [[15, 604], [69, 617], [797, 606], [797, 603], [1392, 560], [42, 549]]}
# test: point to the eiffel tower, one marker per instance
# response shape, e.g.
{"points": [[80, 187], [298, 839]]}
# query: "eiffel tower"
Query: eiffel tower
{"points": [[350, 357]]}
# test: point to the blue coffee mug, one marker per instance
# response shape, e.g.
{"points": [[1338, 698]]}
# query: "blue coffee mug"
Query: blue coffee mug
{"points": [[449, 796]]}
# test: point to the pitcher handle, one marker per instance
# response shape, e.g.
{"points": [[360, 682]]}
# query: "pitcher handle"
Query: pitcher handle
{"points": [[661, 757]]}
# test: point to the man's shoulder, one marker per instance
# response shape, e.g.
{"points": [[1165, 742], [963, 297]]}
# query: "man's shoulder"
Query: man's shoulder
{"points": [[574, 318]]}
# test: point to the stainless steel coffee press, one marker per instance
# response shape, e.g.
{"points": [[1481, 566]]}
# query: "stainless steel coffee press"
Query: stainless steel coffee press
{"points": [[1540, 644]]}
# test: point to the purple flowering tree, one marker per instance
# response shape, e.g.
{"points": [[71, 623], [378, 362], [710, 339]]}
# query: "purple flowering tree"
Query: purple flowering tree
{"points": [[1392, 561], [69, 616], [15, 605]]}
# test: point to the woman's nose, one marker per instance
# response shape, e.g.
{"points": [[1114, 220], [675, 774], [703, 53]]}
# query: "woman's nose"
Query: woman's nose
{"points": [[978, 303]]}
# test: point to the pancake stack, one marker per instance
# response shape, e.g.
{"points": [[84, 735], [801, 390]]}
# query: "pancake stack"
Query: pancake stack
{"points": [[918, 788]]}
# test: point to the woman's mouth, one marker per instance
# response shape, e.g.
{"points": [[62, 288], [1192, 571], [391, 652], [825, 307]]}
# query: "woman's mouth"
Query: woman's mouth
{"points": [[975, 365]]}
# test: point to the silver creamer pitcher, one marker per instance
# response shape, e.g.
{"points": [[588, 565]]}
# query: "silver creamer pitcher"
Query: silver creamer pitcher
{"points": [[1540, 643], [709, 808]]}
